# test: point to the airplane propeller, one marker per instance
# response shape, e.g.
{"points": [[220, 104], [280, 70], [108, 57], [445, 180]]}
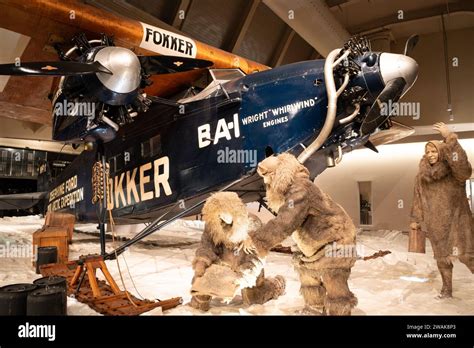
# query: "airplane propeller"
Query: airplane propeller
{"points": [[152, 65], [59, 68], [111, 78], [376, 115], [156, 65], [410, 44], [392, 92]]}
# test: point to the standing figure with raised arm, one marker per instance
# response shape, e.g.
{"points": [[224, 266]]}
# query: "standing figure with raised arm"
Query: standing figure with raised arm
{"points": [[441, 204]]}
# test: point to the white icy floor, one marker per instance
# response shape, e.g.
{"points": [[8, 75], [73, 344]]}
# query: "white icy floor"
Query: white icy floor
{"points": [[397, 284]]}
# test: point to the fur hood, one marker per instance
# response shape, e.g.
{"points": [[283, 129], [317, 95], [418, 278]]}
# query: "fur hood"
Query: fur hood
{"points": [[283, 174], [437, 171], [226, 218]]}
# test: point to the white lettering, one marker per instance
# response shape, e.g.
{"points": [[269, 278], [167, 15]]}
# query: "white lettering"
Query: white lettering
{"points": [[37, 331], [162, 179], [222, 131], [134, 190], [165, 42], [204, 135]]}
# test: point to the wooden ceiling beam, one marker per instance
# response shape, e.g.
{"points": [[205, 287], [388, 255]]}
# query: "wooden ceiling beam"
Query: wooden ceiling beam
{"points": [[247, 17], [282, 48]]}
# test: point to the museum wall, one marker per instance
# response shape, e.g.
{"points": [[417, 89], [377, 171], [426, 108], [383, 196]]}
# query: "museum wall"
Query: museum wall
{"points": [[392, 172], [432, 77], [22, 134], [11, 128]]}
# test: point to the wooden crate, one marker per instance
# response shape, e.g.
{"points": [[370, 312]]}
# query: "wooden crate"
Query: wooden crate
{"points": [[52, 236], [66, 220]]}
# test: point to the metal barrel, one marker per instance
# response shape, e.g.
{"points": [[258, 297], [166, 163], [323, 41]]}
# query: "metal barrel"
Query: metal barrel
{"points": [[46, 255], [47, 301], [13, 298], [51, 282]]}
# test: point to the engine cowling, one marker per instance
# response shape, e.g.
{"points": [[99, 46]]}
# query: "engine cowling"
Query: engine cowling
{"points": [[92, 107], [122, 86]]}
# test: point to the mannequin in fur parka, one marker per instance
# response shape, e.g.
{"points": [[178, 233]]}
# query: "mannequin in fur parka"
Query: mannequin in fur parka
{"points": [[440, 203], [227, 223], [322, 230]]}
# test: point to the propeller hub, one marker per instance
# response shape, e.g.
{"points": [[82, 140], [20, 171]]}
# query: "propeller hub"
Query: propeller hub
{"points": [[398, 65], [125, 68]]}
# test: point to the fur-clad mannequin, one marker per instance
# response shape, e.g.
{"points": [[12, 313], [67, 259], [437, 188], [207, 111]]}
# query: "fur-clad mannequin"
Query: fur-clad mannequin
{"points": [[321, 228], [227, 225], [440, 203]]}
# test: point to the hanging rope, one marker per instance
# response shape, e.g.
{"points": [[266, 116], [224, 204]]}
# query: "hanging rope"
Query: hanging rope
{"points": [[112, 223], [131, 278]]}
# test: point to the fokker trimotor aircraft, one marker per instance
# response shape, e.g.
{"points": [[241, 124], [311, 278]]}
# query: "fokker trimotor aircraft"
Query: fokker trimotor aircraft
{"points": [[164, 131]]}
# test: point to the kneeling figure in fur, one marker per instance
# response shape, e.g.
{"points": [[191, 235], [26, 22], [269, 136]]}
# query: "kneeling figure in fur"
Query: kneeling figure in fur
{"points": [[227, 226]]}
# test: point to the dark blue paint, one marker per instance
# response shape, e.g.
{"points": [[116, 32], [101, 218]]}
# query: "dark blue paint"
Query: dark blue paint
{"points": [[195, 171]]}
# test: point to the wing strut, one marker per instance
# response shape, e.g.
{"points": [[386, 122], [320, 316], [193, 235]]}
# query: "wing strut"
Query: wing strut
{"points": [[160, 222]]}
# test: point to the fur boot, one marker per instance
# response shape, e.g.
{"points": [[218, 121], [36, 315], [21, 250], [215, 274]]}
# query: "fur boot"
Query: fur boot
{"points": [[314, 296], [339, 300], [201, 302], [340, 305], [268, 289]]}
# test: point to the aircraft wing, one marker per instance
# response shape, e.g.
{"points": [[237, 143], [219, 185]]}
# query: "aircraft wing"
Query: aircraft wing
{"points": [[21, 200], [30, 30]]}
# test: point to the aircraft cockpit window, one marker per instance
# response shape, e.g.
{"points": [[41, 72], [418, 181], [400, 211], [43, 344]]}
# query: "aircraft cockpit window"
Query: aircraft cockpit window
{"points": [[225, 75], [217, 78], [145, 148], [151, 147], [3, 162], [155, 145]]}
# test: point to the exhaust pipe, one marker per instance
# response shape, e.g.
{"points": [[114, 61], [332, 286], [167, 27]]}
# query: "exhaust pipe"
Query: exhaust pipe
{"points": [[332, 95]]}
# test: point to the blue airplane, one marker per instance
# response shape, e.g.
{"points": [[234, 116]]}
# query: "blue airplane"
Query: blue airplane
{"points": [[160, 159]]}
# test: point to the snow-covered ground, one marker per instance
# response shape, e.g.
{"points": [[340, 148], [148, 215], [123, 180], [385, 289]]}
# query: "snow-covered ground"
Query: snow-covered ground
{"points": [[399, 283]]}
